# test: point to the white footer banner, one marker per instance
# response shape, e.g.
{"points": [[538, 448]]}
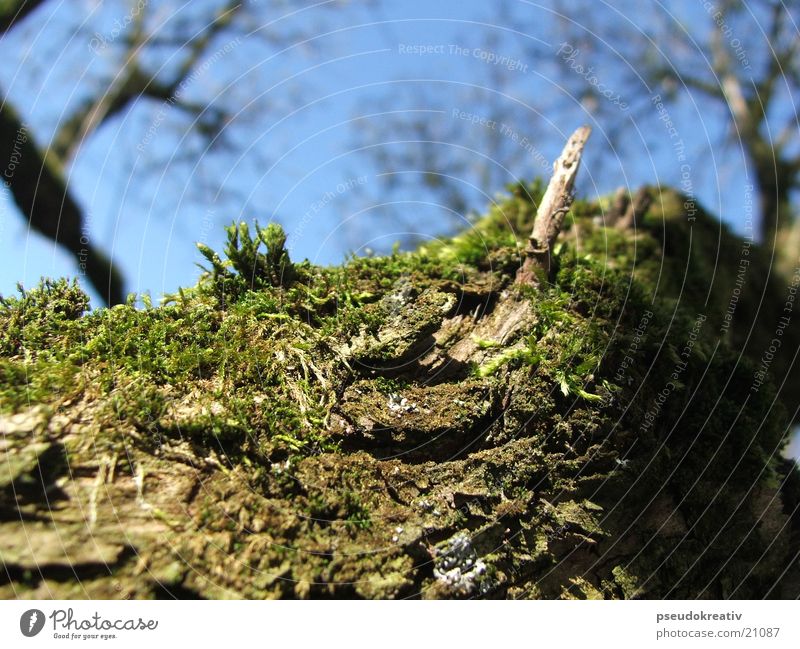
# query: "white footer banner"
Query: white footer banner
{"points": [[383, 625]]}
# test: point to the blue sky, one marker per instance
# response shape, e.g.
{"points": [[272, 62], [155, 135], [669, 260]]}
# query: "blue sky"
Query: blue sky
{"points": [[295, 130], [304, 141]]}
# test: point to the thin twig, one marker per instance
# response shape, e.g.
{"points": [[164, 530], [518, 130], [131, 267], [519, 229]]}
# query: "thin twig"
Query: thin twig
{"points": [[555, 204]]}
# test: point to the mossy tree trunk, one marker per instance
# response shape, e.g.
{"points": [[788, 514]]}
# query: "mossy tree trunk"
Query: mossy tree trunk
{"points": [[418, 425]]}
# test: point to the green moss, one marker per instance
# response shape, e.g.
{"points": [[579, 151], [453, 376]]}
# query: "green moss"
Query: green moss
{"points": [[349, 420], [507, 225], [253, 269], [505, 357], [627, 582]]}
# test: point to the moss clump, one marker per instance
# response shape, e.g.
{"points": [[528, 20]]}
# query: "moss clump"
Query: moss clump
{"points": [[409, 425], [253, 269]]}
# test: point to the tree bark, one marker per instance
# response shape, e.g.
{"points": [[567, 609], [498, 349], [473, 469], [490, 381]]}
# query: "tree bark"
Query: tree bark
{"points": [[396, 429]]}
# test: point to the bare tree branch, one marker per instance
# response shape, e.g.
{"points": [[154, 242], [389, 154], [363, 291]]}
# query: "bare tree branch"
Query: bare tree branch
{"points": [[40, 191], [133, 82], [14, 11]]}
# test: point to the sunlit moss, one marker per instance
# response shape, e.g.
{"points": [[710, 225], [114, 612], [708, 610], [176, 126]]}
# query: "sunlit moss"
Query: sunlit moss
{"points": [[341, 446]]}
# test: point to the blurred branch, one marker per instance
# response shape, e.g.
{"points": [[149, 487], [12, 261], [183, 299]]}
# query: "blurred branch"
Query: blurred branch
{"points": [[12, 11], [40, 191], [133, 82]]}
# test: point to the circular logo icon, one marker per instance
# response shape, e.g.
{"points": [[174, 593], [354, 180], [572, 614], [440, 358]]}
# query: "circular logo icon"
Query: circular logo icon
{"points": [[31, 622]]}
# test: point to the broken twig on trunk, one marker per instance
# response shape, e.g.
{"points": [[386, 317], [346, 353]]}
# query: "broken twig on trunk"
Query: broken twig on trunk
{"points": [[618, 207], [636, 209], [555, 204]]}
